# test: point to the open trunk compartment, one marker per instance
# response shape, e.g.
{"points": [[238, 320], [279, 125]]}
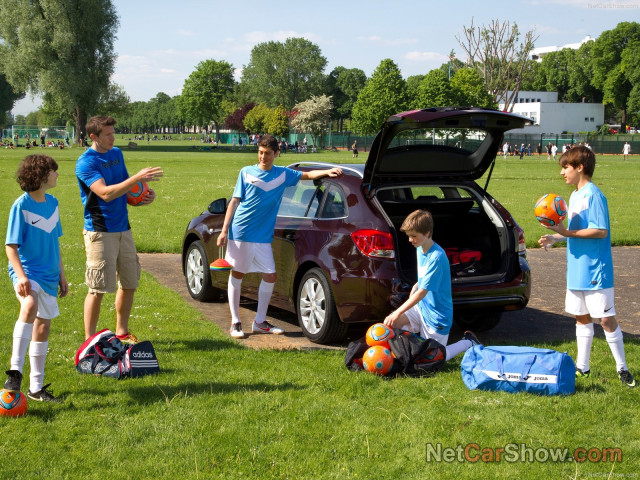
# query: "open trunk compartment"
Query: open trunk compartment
{"points": [[468, 228]]}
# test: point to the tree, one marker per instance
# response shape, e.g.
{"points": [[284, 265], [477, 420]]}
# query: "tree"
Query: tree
{"points": [[609, 74], [343, 86], [61, 48], [313, 116], [555, 67], [8, 97], [384, 94], [433, 91], [278, 122], [235, 120], [467, 89], [257, 118], [631, 66], [204, 91], [496, 53], [284, 73], [113, 102]]}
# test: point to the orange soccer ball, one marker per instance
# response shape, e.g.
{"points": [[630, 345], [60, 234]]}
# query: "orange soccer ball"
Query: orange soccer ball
{"points": [[137, 193], [379, 334], [550, 209], [378, 360], [12, 404]]}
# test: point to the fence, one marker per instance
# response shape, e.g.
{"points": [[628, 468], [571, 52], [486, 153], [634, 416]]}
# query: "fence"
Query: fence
{"points": [[33, 132], [600, 144]]}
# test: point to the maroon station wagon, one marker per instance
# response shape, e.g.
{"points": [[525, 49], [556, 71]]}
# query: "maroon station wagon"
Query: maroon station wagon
{"points": [[340, 256]]}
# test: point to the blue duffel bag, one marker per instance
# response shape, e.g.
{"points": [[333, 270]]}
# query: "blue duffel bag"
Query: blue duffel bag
{"points": [[519, 369]]}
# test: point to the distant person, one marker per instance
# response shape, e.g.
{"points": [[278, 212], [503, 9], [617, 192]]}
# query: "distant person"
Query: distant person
{"points": [[354, 149], [111, 251], [626, 150], [249, 225], [590, 290], [36, 271], [554, 151], [539, 149], [505, 149]]}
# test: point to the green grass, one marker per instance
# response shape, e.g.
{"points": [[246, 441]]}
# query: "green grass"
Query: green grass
{"points": [[219, 410]]}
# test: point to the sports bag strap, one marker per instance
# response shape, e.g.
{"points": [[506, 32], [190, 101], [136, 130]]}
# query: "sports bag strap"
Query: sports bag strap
{"points": [[527, 366], [500, 366]]}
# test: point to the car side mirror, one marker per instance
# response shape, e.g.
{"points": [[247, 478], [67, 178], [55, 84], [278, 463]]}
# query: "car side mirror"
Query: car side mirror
{"points": [[218, 207]]}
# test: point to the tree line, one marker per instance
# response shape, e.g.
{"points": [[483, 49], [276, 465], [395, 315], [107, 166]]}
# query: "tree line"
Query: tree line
{"points": [[70, 47]]}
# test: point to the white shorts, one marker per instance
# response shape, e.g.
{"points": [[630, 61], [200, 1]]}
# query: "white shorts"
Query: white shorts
{"points": [[47, 304], [419, 326], [247, 257], [597, 303]]}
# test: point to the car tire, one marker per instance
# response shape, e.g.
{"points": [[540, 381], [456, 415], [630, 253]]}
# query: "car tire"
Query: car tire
{"points": [[197, 274], [317, 314], [478, 321]]}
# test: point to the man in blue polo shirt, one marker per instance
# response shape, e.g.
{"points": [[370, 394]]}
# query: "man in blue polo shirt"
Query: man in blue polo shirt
{"points": [[111, 252]]}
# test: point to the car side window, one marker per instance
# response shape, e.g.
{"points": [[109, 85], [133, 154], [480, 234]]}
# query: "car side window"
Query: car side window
{"points": [[334, 203], [298, 198]]}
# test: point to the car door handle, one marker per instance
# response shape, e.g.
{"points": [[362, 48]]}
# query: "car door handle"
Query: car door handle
{"points": [[290, 235]]}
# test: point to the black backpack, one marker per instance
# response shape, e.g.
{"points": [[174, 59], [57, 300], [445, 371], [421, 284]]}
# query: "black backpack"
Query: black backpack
{"points": [[414, 356]]}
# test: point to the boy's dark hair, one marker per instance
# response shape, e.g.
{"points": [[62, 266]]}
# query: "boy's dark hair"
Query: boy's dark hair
{"points": [[270, 142], [34, 170], [419, 221], [97, 123], [580, 155]]}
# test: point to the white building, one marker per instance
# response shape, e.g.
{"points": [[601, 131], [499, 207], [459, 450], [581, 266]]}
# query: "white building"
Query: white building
{"points": [[538, 53], [551, 116]]}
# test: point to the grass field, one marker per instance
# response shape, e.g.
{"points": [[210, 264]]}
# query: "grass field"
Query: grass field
{"points": [[219, 410]]}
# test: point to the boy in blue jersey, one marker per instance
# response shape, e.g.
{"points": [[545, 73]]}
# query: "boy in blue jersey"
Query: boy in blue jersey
{"points": [[249, 225], [35, 268], [111, 252], [428, 312], [589, 262]]}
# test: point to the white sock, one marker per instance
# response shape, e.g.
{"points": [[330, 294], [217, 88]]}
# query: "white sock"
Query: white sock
{"points": [[21, 337], [264, 297], [614, 339], [37, 357], [584, 338], [457, 348], [234, 298]]}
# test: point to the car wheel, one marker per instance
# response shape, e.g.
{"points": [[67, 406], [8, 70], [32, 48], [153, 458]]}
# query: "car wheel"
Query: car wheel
{"points": [[316, 309], [478, 321], [197, 275]]}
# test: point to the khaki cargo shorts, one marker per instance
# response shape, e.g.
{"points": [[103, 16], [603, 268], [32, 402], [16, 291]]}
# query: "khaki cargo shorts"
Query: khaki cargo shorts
{"points": [[111, 259]]}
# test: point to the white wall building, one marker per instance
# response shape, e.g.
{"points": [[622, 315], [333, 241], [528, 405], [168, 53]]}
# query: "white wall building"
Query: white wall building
{"points": [[538, 53], [551, 116]]}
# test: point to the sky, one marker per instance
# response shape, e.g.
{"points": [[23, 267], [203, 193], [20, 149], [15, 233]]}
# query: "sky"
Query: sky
{"points": [[159, 42]]}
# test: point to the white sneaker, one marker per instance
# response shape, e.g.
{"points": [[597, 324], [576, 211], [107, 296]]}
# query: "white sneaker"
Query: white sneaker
{"points": [[236, 330], [266, 327]]}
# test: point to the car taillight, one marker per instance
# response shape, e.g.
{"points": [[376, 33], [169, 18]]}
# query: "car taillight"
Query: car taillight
{"points": [[522, 245], [374, 243]]}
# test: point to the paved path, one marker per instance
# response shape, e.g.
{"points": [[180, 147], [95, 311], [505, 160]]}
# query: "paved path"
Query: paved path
{"points": [[543, 319]]}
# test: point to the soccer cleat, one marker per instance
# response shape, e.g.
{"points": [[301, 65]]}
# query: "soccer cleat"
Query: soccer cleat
{"points": [[14, 380], [469, 335], [236, 330], [266, 327], [626, 378], [581, 374], [43, 395], [128, 338]]}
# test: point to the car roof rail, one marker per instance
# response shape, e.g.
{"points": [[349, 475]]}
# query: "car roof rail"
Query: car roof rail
{"points": [[326, 165]]}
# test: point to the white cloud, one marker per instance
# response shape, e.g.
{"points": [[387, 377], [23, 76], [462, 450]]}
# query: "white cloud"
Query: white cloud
{"points": [[185, 33], [426, 57], [278, 36]]}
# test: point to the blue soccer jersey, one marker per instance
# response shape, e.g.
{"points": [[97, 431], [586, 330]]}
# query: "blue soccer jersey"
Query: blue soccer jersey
{"points": [[434, 275], [260, 193], [35, 227], [99, 215], [589, 260]]}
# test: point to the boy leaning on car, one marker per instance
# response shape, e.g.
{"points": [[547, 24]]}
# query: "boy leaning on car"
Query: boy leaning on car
{"points": [[249, 225]]}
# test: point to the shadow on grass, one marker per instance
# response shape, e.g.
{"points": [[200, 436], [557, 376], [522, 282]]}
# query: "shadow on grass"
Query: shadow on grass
{"points": [[146, 395]]}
